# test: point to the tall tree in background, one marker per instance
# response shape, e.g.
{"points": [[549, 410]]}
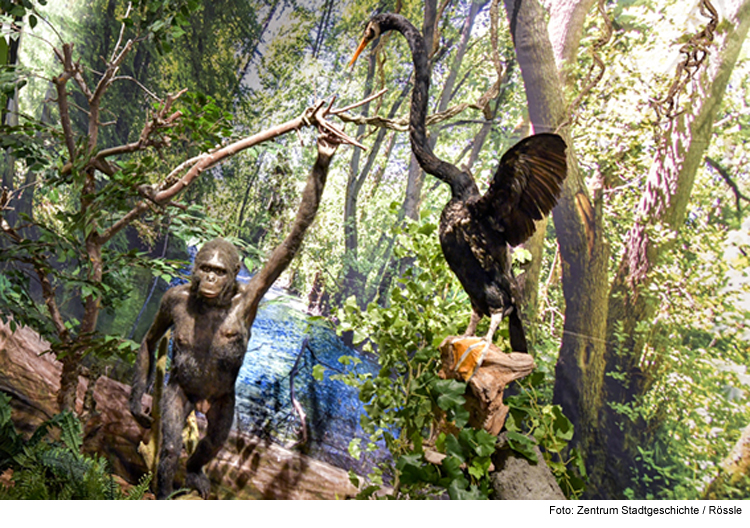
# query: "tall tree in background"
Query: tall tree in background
{"points": [[594, 314], [687, 115]]}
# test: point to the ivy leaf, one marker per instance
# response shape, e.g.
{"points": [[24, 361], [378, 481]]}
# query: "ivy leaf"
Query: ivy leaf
{"points": [[523, 445], [453, 448], [479, 467], [451, 394], [485, 444], [562, 425], [355, 449]]}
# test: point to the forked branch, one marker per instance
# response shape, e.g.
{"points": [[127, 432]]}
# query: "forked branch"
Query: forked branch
{"points": [[313, 116]]}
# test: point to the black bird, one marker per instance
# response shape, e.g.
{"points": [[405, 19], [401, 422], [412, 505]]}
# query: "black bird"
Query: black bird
{"points": [[476, 230]]}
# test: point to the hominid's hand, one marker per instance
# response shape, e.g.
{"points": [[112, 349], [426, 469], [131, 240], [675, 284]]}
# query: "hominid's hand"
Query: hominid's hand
{"points": [[136, 409], [328, 141]]}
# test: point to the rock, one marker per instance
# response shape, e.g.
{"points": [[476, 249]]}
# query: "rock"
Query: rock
{"points": [[516, 478], [484, 395], [247, 467]]}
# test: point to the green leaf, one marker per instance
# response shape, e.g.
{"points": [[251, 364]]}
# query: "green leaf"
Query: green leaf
{"points": [[451, 394], [354, 478], [355, 449], [479, 467], [318, 372], [562, 425], [522, 444]]}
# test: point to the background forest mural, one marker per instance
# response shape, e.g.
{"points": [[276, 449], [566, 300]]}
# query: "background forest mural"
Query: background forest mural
{"points": [[636, 290]]}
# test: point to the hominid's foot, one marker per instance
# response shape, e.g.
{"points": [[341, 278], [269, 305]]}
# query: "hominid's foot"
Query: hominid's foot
{"points": [[199, 482]]}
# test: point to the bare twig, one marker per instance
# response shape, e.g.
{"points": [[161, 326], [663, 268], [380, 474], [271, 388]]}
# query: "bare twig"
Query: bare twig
{"points": [[163, 119], [339, 111], [51, 26], [122, 32], [738, 196], [140, 85]]}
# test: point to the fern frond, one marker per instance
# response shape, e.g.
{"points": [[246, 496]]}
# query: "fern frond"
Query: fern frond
{"points": [[71, 432], [139, 490]]}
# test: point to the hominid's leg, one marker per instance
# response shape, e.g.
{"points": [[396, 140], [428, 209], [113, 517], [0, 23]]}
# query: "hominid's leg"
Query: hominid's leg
{"points": [[219, 417], [174, 410]]}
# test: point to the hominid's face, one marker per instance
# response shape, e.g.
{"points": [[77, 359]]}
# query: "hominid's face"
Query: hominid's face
{"points": [[212, 275]]}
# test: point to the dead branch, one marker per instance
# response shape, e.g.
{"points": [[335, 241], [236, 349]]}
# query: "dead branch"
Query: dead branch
{"points": [[122, 32], [61, 82], [139, 84], [695, 52], [313, 116], [164, 118], [401, 124]]}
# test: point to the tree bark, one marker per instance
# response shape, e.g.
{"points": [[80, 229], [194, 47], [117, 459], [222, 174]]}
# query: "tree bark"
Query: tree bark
{"points": [[583, 250], [353, 282], [565, 28]]}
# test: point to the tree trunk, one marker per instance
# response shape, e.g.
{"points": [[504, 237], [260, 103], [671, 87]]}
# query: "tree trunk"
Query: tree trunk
{"points": [[353, 282], [565, 28], [583, 250], [733, 480]]}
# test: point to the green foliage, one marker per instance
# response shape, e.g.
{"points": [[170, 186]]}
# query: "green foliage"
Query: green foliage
{"points": [[163, 22], [406, 403], [45, 468], [531, 422], [75, 203]]}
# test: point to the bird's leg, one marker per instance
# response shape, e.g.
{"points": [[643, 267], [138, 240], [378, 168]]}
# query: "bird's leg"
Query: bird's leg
{"points": [[470, 331], [495, 320], [472, 328]]}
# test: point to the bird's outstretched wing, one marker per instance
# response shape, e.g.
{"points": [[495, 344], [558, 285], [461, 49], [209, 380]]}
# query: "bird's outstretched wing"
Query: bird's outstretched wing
{"points": [[525, 186]]}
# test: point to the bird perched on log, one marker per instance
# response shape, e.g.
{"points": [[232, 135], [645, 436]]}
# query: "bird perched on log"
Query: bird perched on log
{"points": [[476, 231]]}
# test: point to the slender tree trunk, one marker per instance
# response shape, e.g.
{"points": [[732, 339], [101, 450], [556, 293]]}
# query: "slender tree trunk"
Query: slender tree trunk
{"points": [[583, 250], [354, 280]]}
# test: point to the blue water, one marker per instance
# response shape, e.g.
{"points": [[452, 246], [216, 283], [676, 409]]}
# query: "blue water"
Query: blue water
{"points": [[263, 393], [332, 408]]}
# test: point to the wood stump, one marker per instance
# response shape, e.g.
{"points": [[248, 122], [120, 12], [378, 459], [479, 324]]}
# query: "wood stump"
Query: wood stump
{"points": [[484, 395]]}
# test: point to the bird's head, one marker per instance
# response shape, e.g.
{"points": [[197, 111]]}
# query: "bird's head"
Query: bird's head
{"points": [[372, 31]]}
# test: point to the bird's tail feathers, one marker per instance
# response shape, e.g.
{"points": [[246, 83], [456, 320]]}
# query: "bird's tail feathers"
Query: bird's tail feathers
{"points": [[516, 332]]}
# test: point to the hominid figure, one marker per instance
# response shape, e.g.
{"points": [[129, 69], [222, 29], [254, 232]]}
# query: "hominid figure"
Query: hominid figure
{"points": [[211, 319]]}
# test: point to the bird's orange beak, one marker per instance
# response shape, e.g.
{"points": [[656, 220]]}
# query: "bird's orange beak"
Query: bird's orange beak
{"points": [[362, 46]]}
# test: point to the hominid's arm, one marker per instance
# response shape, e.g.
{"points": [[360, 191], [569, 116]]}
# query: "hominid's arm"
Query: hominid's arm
{"points": [[283, 254], [145, 362]]}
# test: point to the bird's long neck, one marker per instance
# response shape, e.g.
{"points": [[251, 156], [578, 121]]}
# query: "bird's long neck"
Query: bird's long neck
{"points": [[461, 183]]}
